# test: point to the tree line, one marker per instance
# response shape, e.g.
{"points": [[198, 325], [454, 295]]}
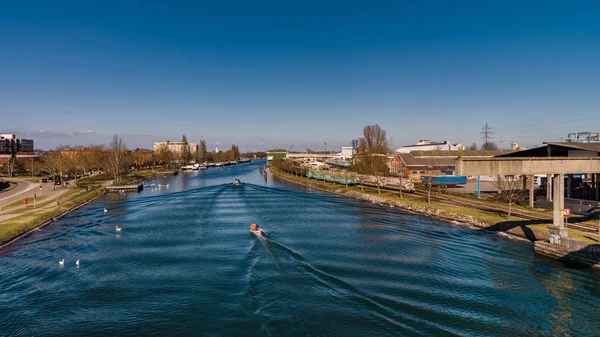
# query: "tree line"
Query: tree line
{"points": [[115, 159]]}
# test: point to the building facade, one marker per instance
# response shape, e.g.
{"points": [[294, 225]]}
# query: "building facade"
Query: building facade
{"points": [[426, 145], [176, 147], [10, 144]]}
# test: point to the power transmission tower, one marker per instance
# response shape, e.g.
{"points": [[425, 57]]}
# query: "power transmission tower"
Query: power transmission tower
{"points": [[486, 136]]}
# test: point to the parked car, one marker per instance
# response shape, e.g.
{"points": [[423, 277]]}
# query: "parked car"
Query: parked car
{"points": [[44, 180]]}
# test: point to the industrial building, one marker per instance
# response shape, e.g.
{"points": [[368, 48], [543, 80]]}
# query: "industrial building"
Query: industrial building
{"points": [[582, 185], [415, 164], [277, 153], [427, 145]]}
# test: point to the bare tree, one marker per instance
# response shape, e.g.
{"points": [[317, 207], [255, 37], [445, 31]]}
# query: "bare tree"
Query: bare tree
{"points": [[9, 166], [472, 147], [185, 154], [55, 164], [400, 175], [116, 158], [374, 149], [164, 154], [489, 146], [202, 151], [511, 188], [235, 152]]}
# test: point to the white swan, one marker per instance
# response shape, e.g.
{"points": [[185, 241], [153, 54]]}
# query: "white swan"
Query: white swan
{"points": [[61, 262], [105, 210], [118, 229], [77, 263]]}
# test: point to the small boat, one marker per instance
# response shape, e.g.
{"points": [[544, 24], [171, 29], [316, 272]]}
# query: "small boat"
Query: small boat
{"points": [[254, 228], [194, 167], [236, 182]]}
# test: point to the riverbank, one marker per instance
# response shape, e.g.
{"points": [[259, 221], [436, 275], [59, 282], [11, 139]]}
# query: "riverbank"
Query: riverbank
{"points": [[23, 225], [531, 230], [582, 249]]}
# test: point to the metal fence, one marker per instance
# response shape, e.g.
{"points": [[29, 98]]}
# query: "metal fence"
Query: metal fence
{"points": [[75, 195]]}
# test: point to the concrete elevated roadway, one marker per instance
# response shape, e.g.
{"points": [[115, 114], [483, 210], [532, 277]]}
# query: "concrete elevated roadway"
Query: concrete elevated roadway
{"points": [[555, 167]]}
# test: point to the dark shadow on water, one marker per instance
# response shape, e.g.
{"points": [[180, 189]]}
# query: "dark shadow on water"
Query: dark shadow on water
{"points": [[583, 258]]}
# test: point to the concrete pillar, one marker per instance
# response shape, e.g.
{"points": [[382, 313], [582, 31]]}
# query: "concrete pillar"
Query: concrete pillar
{"points": [[569, 185], [559, 204], [597, 187], [498, 179], [549, 178], [531, 195]]}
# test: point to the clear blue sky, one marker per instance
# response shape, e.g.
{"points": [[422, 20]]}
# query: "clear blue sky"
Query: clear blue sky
{"points": [[263, 74]]}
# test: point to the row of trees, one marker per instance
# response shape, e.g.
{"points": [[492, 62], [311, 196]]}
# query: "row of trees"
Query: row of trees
{"points": [[114, 159], [166, 156]]}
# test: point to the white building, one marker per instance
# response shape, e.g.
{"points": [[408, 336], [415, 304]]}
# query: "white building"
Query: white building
{"points": [[347, 152], [176, 147], [426, 145], [516, 147]]}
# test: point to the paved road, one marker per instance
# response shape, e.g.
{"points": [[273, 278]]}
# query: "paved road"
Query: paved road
{"points": [[22, 189], [6, 214], [26, 189]]}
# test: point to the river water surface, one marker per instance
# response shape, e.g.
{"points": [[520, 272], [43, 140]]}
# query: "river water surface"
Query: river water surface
{"points": [[186, 264]]}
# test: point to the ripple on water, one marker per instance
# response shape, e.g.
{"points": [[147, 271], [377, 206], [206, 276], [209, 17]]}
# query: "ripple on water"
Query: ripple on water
{"points": [[186, 264]]}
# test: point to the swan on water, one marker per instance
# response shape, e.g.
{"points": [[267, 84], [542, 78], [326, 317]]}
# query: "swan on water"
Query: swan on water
{"points": [[61, 262], [105, 210], [118, 229], [77, 263]]}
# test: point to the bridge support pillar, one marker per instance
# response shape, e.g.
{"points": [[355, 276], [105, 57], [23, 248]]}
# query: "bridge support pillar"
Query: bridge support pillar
{"points": [[549, 187], [531, 192], [597, 187], [559, 204]]}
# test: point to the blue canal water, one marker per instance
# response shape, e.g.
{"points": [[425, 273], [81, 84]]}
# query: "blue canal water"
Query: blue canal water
{"points": [[186, 264]]}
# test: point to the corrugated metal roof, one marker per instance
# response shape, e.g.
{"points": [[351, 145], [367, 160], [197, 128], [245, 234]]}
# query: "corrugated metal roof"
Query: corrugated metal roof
{"points": [[456, 154], [578, 146], [441, 159]]}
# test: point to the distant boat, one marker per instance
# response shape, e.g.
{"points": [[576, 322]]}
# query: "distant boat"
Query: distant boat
{"points": [[194, 167]]}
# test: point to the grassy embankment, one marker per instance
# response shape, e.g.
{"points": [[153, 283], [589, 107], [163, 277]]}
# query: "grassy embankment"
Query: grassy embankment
{"points": [[130, 177], [22, 202], [529, 229], [12, 228]]}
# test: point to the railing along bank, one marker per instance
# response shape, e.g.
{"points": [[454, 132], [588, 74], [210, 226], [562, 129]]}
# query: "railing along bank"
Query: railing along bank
{"points": [[75, 195]]}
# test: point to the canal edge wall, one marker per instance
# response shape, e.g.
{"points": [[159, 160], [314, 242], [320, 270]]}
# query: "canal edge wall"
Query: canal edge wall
{"points": [[572, 251], [443, 215]]}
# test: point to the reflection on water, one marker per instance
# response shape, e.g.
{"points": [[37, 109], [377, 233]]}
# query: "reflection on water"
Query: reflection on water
{"points": [[186, 264]]}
